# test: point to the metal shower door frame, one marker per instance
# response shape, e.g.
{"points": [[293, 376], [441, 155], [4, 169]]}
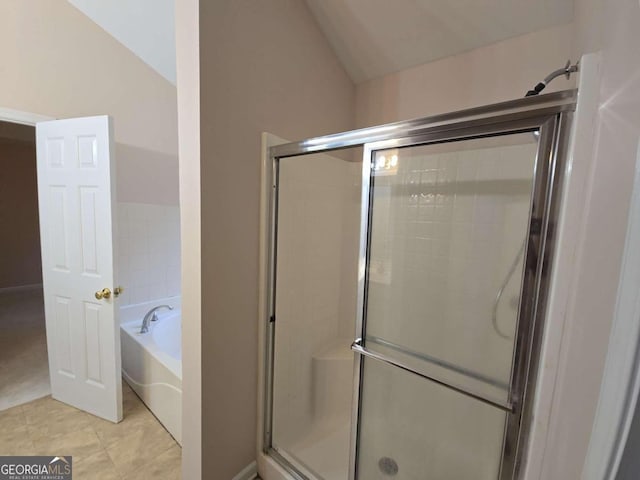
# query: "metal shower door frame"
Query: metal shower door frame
{"points": [[550, 115]]}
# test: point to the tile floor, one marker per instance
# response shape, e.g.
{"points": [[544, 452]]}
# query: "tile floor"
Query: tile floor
{"points": [[24, 367], [137, 448]]}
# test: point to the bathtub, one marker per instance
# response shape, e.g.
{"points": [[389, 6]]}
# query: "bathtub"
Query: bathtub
{"points": [[152, 361]]}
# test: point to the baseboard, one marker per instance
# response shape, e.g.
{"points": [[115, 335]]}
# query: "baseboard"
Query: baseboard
{"points": [[20, 288], [249, 472]]}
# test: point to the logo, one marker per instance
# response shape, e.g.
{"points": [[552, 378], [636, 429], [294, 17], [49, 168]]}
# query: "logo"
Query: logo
{"points": [[35, 468]]}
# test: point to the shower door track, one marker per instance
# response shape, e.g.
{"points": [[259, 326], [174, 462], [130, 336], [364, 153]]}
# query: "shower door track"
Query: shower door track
{"points": [[550, 115]]}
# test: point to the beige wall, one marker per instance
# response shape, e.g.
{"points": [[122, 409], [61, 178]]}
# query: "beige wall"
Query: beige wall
{"points": [[20, 239], [498, 72], [58, 63], [146, 176], [265, 66]]}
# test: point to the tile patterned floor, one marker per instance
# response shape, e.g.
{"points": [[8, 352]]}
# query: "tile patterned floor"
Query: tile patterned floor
{"points": [[137, 448], [24, 367]]}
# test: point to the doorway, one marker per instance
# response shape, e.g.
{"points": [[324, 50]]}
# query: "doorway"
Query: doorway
{"points": [[54, 414], [24, 368]]}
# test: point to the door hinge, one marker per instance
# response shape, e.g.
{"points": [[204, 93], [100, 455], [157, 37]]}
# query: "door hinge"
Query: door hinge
{"points": [[272, 319]]}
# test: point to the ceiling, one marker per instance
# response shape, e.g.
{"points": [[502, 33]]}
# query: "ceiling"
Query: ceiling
{"points": [[371, 38], [146, 27], [376, 37]]}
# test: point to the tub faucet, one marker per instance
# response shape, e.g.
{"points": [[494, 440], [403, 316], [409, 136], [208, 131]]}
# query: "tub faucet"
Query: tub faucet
{"points": [[151, 316]]}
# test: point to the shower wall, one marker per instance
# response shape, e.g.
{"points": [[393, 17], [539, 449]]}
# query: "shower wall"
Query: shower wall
{"points": [[148, 252]]}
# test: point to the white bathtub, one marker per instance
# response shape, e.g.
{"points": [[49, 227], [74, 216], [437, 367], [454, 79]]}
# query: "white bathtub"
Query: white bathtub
{"points": [[152, 361]]}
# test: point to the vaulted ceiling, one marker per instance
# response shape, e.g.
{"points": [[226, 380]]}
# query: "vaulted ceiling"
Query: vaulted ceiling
{"points": [[376, 37], [370, 37], [146, 27]]}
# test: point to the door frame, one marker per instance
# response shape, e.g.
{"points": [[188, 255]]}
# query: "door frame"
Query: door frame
{"points": [[515, 112], [31, 119], [23, 118]]}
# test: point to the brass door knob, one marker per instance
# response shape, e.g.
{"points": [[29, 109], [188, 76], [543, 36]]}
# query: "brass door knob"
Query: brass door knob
{"points": [[104, 293], [117, 291]]}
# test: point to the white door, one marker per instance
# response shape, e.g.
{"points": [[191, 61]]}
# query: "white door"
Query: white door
{"points": [[76, 197]]}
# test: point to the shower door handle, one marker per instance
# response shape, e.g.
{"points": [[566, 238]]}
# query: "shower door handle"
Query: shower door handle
{"points": [[357, 347]]}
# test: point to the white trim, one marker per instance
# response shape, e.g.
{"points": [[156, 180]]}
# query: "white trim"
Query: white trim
{"points": [[621, 380], [20, 288], [578, 169], [23, 118], [247, 473]]}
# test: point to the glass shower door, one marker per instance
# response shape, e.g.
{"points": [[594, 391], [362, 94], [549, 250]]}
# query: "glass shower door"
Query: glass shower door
{"points": [[448, 232], [446, 266]]}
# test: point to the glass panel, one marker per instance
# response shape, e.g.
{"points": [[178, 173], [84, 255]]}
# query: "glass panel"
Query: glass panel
{"points": [[317, 255], [422, 430], [448, 225]]}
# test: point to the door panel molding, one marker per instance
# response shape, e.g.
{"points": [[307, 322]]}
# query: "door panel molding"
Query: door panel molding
{"points": [[76, 200]]}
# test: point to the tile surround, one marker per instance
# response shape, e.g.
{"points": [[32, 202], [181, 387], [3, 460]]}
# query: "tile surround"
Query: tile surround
{"points": [[148, 257]]}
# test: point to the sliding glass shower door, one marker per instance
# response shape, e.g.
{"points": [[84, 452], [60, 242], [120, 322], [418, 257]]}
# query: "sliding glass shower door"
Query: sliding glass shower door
{"points": [[445, 262], [426, 246]]}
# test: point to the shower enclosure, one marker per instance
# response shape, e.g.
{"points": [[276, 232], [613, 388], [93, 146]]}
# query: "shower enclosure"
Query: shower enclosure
{"points": [[407, 277]]}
